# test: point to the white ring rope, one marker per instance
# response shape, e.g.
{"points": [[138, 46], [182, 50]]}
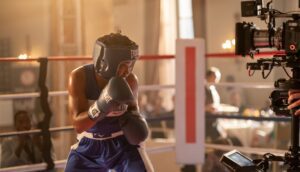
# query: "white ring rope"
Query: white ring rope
{"points": [[64, 93], [30, 95], [35, 131], [142, 88], [155, 87], [154, 150], [245, 85]]}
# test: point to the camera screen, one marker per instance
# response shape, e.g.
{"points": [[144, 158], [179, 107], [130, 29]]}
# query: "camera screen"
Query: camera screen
{"points": [[240, 159]]}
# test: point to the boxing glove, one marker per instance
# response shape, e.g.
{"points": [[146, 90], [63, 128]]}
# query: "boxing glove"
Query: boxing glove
{"points": [[114, 99], [134, 127]]}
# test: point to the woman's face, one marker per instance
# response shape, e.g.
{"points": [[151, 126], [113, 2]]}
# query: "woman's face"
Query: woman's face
{"points": [[125, 68]]}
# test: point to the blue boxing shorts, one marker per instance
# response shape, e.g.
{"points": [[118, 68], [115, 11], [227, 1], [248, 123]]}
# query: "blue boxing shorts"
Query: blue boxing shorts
{"points": [[92, 154]]}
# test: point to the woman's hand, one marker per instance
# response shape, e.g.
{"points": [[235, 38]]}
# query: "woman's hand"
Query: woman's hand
{"points": [[294, 100]]}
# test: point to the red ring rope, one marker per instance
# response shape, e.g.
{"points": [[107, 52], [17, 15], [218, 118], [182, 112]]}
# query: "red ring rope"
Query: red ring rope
{"points": [[142, 57]]}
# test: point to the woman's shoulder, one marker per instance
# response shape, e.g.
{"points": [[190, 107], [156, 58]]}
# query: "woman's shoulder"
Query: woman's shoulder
{"points": [[79, 72]]}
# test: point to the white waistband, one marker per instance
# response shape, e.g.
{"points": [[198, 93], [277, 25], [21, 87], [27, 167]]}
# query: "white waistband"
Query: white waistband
{"points": [[91, 136]]}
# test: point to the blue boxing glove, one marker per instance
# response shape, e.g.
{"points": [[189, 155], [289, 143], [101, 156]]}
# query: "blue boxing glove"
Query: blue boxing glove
{"points": [[113, 100], [134, 127]]}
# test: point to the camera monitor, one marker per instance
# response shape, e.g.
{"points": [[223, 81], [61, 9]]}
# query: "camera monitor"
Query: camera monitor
{"points": [[237, 162]]}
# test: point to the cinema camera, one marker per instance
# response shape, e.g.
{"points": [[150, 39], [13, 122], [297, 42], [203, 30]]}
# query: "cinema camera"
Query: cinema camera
{"points": [[286, 39]]}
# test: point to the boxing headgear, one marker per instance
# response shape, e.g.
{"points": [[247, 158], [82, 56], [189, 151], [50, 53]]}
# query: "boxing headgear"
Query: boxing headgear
{"points": [[109, 54]]}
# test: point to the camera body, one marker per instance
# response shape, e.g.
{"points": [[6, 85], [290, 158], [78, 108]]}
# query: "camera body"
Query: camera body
{"points": [[279, 98], [291, 36], [250, 38]]}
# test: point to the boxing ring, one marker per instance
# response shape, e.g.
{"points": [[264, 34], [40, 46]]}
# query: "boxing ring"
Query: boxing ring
{"points": [[46, 131]]}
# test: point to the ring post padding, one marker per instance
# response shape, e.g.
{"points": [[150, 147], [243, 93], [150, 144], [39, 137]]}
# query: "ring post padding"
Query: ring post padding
{"points": [[47, 145], [189, 102]]}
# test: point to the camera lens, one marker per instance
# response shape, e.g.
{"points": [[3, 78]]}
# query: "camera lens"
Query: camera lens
{"points": [[279, 102]]}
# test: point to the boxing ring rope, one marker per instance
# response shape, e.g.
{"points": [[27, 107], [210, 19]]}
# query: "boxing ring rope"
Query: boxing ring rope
{"points": [[246, 85], [141, 89], [77, 58], [142, 57], [36, 131], [64, 93], [30, 95], [44, 93]]}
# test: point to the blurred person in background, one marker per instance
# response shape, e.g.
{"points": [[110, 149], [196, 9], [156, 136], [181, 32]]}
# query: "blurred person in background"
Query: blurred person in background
{"points": [[144, 105], [158, 110], [22, 149], [234, 93], [212, 102], [212, 97], [158, 107]]}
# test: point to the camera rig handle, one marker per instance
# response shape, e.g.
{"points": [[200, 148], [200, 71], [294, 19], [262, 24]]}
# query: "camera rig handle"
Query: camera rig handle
{"points": [[262, 165]]}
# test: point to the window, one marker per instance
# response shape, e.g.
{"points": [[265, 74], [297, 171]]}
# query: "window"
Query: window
{"points": [[186, 29]]}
